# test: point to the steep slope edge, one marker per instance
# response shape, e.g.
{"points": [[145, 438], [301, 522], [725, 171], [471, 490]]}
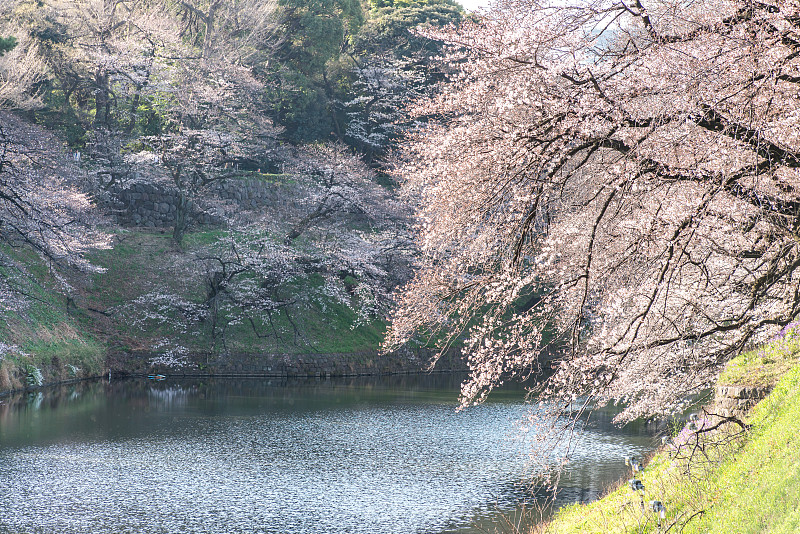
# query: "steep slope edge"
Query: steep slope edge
{"points": [[731, 469]]}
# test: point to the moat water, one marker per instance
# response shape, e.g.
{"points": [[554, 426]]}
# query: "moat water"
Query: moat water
{"points": [[366, 455]]}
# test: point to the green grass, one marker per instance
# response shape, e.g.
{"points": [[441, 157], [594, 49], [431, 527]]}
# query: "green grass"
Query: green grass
{"points": [[143, 262], [50, 332], [312, 326], [763, 366], [759, 490], [319, 332], [737, 483], [208, 237], [86, 355], [279, 178]]}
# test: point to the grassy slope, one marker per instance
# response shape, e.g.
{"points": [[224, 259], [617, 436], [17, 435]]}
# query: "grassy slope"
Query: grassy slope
{"points": [[50, 333], [67, 339], [737, 485], [143, 261]]}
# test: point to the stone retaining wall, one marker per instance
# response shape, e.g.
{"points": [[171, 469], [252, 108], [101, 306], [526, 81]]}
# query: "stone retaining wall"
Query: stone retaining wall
{"points": [[736, 401], [289, 365], [154, 206], [145, 205], [252, 193]]}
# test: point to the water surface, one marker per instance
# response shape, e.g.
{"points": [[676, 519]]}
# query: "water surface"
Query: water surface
{"points": [[368, 455]]}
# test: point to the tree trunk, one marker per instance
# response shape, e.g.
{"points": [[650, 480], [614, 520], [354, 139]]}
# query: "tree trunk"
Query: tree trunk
{"points": [[322, 211], [102, 105], [181, 218]]}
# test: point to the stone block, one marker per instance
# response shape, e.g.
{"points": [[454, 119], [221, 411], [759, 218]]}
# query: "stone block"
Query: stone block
{"points": [[742, 392]]}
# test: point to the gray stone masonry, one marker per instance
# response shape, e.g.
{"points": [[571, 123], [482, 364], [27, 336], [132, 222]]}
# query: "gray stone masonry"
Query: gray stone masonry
{"points": [[154, 206], [736, 401], [290, 365]]}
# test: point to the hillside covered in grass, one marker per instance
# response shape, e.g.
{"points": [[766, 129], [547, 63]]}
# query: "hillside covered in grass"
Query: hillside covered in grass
{"points": [[48, 339], [151, 299], [144, 266], [717, 475]]}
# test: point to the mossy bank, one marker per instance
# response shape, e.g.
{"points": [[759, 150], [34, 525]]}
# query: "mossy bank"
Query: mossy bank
{"points": [[89, 324], [49, 339]]}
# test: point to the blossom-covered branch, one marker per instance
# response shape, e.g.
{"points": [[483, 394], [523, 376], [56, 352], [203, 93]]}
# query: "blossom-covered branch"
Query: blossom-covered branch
{"points": [[613, 186]]}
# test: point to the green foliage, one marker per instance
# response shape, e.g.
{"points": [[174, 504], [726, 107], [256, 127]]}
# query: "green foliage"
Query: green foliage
{"points": [[310, 74], [393, 67], [314, 78], [300, 104], [63, 118], [315, 31], [7, 44], [390, 26], [309, 67]]}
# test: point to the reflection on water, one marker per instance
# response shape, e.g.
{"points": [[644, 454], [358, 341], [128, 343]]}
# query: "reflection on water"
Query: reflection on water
{"points": [[366, 455]]}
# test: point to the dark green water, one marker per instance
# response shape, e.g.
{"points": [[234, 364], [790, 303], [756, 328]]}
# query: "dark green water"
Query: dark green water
{"points": [[370, 455]]}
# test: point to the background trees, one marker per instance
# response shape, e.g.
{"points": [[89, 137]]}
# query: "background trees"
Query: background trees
{"points": [[393, 66], [181, 97], [310, 71], [346, 72], [41, 209], [176, 79], [339, 243], [324, 71], [615, 182]]}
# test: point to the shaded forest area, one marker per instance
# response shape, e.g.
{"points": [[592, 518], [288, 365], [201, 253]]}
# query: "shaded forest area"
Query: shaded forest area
{"points": [[203, 175]]}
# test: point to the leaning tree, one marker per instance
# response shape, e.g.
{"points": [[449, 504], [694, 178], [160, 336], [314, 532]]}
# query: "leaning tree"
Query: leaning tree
{"points": [[612, 185]]}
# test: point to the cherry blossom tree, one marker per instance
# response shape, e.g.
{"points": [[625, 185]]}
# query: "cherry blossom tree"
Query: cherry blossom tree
{"points": [[393, 65], [41, 209], [175, 98], [382, 92], [344, 242], [103, 56], [215, 128], [192, 161], [340, 184], [613, 184], [359, 227]]}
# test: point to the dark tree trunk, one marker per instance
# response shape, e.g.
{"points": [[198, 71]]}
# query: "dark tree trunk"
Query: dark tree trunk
{"points": [[181, 218]]}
